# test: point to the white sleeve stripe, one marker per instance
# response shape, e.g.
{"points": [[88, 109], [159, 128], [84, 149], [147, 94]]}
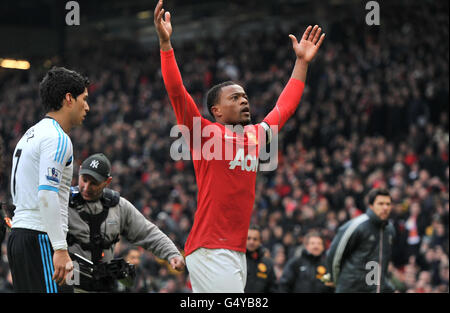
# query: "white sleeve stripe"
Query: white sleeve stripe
{"points": [[265, 126], [65, 140], [268, 131], [343, 243]]}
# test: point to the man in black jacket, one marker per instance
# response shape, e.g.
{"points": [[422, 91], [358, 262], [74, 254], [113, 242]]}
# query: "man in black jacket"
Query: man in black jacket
{"points": [[359, 255], [304, 272], [260, 274]]}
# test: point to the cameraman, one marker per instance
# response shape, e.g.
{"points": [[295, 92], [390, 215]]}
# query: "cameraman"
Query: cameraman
{"points": [[98, 216]]}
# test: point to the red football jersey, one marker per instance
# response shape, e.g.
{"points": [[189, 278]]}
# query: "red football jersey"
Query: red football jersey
{"points": [[225, 163]]}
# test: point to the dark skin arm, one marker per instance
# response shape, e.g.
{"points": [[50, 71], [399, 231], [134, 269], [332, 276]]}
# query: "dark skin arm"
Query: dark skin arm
{"points": [[163, 26], [306, 50]]}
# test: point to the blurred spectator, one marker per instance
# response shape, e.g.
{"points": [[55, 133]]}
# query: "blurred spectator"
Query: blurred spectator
{"points": [[133, 256], [279, 261], [303, 272], [260, 273]]}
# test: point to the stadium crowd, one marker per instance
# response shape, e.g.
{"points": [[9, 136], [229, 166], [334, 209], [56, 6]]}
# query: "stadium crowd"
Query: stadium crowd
{"points": [[373, 114]]}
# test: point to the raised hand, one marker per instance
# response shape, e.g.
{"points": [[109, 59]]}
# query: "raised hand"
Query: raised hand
{"points": [[307, 48], [163, 25]]}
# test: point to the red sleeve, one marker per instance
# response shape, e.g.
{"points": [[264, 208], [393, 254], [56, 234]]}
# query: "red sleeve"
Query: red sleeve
{"points": [[182, 103], [287, 104]]}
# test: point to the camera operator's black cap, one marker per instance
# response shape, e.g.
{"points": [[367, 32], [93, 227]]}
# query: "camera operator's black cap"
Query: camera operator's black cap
{"points": [[97, 166]]}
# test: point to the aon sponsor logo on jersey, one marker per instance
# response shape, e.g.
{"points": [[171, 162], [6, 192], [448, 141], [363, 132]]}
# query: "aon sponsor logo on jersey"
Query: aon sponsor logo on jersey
{"points": [[247, 162]]}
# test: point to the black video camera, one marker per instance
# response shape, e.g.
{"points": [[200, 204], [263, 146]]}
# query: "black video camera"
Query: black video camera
{"points": [[102, 276], [117, 269]]}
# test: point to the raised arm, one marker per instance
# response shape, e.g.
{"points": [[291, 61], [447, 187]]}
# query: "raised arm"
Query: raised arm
{"points": [[305, 51], [182, 103], [163, 26]]}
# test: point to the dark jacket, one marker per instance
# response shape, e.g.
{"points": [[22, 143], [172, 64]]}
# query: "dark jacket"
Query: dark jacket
{"points": [[260, 274], [115, 217], [302, 274], [122, 220], [2, 227], [355, 253]]}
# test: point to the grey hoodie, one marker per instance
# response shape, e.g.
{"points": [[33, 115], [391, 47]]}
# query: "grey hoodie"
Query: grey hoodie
{"points": [[124, 220]]}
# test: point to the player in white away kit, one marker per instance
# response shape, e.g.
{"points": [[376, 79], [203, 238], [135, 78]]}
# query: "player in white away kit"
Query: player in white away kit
{"points": [[41, 175]]}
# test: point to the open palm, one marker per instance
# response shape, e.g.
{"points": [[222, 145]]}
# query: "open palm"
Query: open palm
{"points": [[310, 43], [163, 26]]}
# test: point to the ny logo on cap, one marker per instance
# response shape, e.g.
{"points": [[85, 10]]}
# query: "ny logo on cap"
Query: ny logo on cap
{"points": [[94, 164]]}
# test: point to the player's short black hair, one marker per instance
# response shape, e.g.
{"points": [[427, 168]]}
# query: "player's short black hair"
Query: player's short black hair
{"points": [[212, 96], [374, 193], [56, 83]]}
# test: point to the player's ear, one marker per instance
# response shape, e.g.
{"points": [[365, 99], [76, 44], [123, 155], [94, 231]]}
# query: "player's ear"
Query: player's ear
{"points": [[216, 111], [68, 99]]}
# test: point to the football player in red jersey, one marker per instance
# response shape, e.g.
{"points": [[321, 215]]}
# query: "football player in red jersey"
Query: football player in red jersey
{"points": [[215, 248]]}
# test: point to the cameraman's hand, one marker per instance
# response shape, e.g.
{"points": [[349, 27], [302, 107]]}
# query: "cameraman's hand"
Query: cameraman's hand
{"points": [[63, 266], [177, 263]]}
